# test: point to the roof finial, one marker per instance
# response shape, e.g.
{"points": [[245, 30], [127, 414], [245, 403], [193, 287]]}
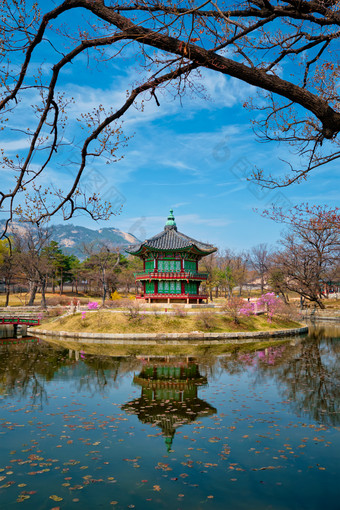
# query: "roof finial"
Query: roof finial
{"points": [[171, 221]]}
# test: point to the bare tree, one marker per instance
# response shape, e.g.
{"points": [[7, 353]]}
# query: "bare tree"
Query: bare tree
{"points": [[32, 260], [101, 264], [209, 265], [252, 41], [311, 249], [8, 267], [260, 259]]}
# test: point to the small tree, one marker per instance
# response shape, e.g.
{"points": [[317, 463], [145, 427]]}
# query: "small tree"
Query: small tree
{"points": [[33, 260], [232, 307], [271, 303], [205, 319], [101, 265], [7, 266], [133, 310], [260, 260]]}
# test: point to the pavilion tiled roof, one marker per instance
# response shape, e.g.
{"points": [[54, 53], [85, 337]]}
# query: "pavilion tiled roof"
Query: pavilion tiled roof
{"points": [[171, 239]]}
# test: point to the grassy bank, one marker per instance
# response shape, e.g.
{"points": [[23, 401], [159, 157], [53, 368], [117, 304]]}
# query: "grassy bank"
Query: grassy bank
{"points": [[106, 322]]}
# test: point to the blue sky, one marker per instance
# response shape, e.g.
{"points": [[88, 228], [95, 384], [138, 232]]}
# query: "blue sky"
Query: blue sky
{"points": [[191, 155]]}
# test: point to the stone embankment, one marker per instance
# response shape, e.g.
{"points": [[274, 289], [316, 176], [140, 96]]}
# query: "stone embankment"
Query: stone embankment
{"points": [[321, 315], [170, 338]]}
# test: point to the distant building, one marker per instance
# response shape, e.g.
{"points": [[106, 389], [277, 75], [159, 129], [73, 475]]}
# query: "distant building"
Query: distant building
{"points": [[170, 261]]}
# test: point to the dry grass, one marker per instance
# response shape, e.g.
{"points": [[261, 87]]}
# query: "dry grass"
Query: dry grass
{"points": [[106, 322], [21, 299]]}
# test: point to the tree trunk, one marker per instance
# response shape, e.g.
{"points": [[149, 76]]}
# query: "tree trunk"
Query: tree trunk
{"points": [[104, 285], [8, 290], [284, 297], [43, 296], [33, 290], [320, 303], [61, 286]]}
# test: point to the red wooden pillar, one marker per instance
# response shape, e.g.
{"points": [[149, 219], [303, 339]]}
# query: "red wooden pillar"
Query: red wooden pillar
{"points": [[156, 265], [182, 288], [156, 287], [182, 264]]}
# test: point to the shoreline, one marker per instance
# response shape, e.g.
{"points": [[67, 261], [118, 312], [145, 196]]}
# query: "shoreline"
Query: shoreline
{"points": [[170, 338]]}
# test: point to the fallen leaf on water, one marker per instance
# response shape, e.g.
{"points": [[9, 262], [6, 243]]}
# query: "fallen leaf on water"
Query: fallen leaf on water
{"points": [[56, 498]]}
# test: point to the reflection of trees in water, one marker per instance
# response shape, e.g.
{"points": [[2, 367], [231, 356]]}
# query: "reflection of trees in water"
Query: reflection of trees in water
{"points": [[311, 380], [306, 374], [24, 368], [100, 373]]}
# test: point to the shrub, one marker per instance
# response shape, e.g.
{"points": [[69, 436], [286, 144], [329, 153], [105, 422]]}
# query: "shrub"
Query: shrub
{"points": [[115, 296], [57, 300], [133, 310], [288, 312], [178, 311], [83, 321], [55, 312], [92, 305], [247, 309], [233, 306], [270, 303], [206, 320]]}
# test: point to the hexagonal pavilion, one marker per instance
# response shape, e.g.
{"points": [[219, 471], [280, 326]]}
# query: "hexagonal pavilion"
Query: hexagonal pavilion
{"points": [[170, 260]]}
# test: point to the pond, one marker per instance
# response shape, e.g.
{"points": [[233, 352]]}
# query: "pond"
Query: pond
{"points": [[246, 430]]}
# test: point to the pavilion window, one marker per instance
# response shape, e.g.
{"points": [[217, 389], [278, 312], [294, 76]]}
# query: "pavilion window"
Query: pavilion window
{"points": [[150, 287]]}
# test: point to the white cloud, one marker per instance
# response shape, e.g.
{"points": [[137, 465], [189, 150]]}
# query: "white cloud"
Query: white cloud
{"points": [[151, 225], [15, 145]]}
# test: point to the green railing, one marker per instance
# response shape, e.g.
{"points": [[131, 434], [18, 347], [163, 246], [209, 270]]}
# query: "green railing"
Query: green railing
{"points": [[20, 320]]}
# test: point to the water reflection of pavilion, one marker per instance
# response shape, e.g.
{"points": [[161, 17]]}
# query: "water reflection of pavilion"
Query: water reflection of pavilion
{"points": [[169, 396]]}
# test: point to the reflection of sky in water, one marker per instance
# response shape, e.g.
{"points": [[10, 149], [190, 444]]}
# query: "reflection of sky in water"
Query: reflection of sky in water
{"points": [[258, 430]]}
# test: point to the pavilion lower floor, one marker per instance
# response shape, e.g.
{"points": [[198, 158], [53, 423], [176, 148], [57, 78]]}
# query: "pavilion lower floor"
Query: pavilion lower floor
{"points": [[173, 298]]}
